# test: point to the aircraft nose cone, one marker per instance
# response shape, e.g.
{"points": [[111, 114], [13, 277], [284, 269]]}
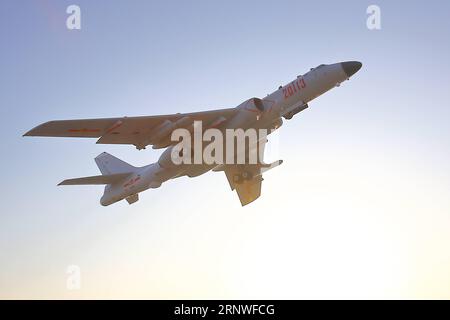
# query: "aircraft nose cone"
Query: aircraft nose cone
{"points": [[351, 67]]}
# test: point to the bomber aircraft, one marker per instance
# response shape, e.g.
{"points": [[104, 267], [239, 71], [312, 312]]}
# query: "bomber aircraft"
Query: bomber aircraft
{"points": [[124, 181]]}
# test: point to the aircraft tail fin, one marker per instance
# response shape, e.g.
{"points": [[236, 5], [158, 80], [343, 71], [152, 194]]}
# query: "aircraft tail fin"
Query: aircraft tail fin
{"points": [[109, 164]]}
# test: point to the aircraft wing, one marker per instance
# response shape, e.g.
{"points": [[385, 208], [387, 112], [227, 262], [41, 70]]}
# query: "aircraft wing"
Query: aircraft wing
{"points": [[138, 131], [246, 179]]}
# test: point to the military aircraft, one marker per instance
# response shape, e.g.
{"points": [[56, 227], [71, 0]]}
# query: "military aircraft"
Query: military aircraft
{"points": [[124, 181]]}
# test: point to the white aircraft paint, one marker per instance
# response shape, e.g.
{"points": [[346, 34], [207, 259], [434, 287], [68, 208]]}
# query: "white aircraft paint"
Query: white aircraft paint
{"points": [[124, 181]]}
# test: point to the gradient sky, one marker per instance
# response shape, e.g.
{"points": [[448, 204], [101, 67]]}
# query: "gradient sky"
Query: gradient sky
{"points": [[360, 207]]}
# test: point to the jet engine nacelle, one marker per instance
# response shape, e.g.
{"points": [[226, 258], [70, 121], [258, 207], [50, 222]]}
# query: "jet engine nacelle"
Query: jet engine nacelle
{"points": [[165, 160], [276, 124]]}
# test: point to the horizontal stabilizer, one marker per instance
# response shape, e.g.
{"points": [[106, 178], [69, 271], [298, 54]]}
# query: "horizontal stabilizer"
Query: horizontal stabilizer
{"points": [[95, 180], [269, 166]]}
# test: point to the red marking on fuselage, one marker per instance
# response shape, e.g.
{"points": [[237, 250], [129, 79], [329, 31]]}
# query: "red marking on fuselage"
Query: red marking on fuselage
{"points": [[132, 181], [294, 87], [217, 123], [271, 106], [118, 124]]}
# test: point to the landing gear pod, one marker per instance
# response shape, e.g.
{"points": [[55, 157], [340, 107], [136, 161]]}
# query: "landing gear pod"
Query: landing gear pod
{"points": [[294, 110], [133, 198]]}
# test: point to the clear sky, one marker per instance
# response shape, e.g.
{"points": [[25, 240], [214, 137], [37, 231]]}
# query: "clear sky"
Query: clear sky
{"points": [[360, 207]]}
